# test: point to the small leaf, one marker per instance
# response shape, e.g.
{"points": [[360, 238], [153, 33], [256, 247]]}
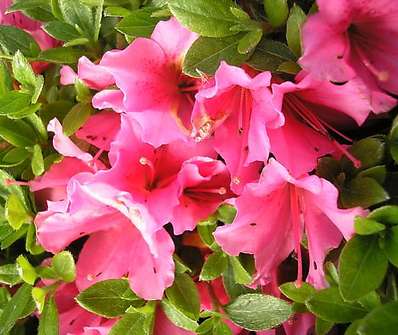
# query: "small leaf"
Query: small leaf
{"points": [[76, 117], [250, 41], [277, 11], [206, 54], [270, 55], [381, 321], [387, 215], [63, 265], [323, 327], [211, 18], [61, 31], [14, 39], [220, 328], [297, 294], [5, 79], [9, 274], [258, 312], [131, 324], [391, 245], [362, 267], [365, 226], [293, 29], [12, 102], [226, 213], [139, 23], [109, 298], [184, 296], [26, 271], [48, 322], [39, 296], [19, 304], [177, 317], [328, 305], [241, 275], [214, 266], [15, 212], [62, 55], [37, 161]]}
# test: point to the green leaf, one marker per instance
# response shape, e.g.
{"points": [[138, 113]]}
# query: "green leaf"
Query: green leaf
{"points": [[295, 293], [77, 14], [12, 102], [15, 212], [323, 327], [258, 312], [362, 267], [206, 229], [214, 266], [241, 275], [206, 54], [365, 226], [248, 42], [14, 157], [23, 72], [26, 271], [270, 55], [353, 328], [393, 140], [63, 265], [5, 79], [62, 55], [211, 18], [206, 327], [184, 296], [381, 321], [328, 305], [98, 14], [233, 289], [48, 322], [387, 215], [131, 324], [109, 298], [364, 192], [61, 31], [370, 301], [39, 296], [139, 23], [25, 112], [277, 11], [226, 213], [220, 328], [378, 173], [116, 12], [37, 161], [13, 39], [38, 10], [16, 308], [9, 274], [391, 245], [293, 29], [177, 317], [76, 117]]}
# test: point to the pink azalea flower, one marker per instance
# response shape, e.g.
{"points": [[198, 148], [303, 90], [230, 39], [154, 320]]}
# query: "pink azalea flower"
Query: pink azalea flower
{"points": [[274, 213], [30, 26], [204, 185], [233, 108], [152, 88], [324, 108], [354, 38]]}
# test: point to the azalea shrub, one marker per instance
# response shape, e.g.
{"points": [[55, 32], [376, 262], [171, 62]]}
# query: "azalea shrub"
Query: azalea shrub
{"points": [[177, 167]]}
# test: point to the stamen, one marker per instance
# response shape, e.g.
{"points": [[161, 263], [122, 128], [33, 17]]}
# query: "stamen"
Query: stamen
{"points": [[380, 74], [295, 215], [357, 163], [220, 190], [236, 180], [11, 182], [90, 277], [151, 169]]}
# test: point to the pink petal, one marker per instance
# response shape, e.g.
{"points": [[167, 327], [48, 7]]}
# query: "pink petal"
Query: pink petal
{"points": [[68, 75], [112, 99]]}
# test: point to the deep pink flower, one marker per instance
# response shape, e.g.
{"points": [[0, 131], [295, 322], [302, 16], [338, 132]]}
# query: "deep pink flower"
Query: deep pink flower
{"points": [[354, 38], [151, 86], [314, 110], [274, 213], [234, 109]]}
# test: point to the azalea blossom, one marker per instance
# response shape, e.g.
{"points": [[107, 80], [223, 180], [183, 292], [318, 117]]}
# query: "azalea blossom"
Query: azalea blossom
{"points": [[273, 215], [233, 111], [353, 38], [315, 111]]}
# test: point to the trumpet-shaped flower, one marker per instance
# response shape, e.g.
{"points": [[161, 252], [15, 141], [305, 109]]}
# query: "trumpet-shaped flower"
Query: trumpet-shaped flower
{"points": [[273, 215]]}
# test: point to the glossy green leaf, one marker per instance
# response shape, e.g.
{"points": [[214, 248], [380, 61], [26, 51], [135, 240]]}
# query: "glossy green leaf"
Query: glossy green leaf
{"points": [[184, 296], [206, 54], [297, 293], [13, 102], [5, 79], [258, 311], [277, 11], [328, 305], [109, 298], [13, 39], [131, 324], [226, 213], [61, 55], [61, 31], [211, 18], [9, 274], [293, 29], [214, 266], [177, 317], [391, 245], [139, 23], [387, 215], [322, 327], [15, 212], [362, 267], [37, 163], [270, 55], [381, 321], [241, 275], [365, 226], [49, 322], [63, 265], [76, 117], [249, 41], [26, 271]]}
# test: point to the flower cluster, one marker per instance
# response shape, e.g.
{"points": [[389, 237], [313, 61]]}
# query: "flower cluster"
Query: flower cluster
{"points": [[165, 150]]}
